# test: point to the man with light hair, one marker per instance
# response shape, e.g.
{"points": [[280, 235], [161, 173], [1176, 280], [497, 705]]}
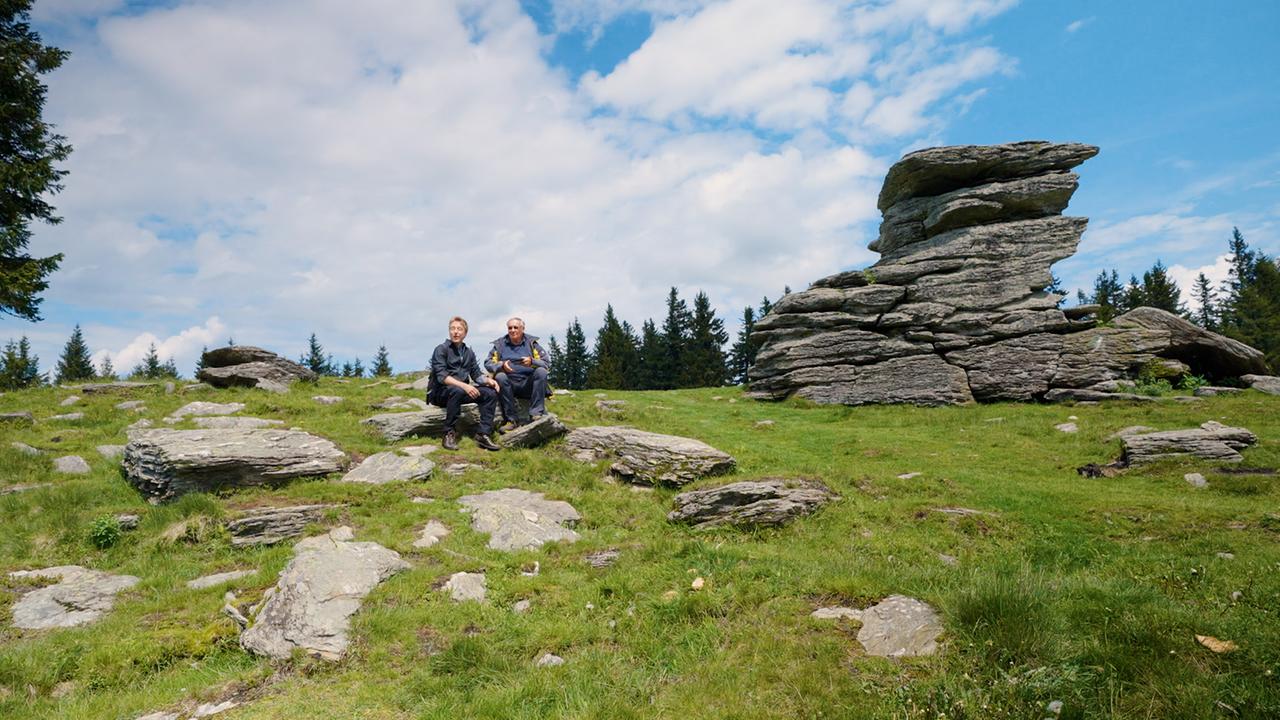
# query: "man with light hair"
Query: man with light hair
{"points": [[456, 380], [520, 366]]}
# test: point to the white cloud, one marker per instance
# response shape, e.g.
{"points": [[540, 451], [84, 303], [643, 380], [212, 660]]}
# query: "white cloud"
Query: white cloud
{"points": [[184, 347], [1076, 25], [1215, 271]]}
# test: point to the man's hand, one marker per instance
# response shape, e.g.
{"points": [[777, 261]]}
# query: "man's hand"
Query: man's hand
{"points": [[472, 391], [526, 361], [506, 366], [492, 383]]}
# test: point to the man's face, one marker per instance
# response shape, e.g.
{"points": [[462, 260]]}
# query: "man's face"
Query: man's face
{"points": [[515, 332], [457, 331]]}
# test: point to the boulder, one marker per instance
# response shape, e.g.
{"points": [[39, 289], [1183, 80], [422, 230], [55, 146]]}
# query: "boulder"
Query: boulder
{"points": [[248, 366], [1211, 441], [164, 464], [423, 423], [71, 464], [1269, 384], [535, 433], [431, 534], [24, 448], [68, 417], [958, 308], [203, 409], [316, 595], [80, 596], [648, 458], [520, 520], [23, 417], [386, 467], [466, 587], [900, 626], [770, 501], [270, 525]]}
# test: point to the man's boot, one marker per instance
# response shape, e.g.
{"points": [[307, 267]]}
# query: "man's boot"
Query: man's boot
{"points": [[483, 441], [450, 440], [507, 426]]}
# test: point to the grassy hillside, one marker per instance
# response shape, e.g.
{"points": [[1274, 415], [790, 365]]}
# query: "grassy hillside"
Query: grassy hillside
{"points": [[1085, 591]]}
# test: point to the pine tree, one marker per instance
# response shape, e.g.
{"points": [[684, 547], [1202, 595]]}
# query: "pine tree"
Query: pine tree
{"points": [[357, 368], [1131, 297], [315, 358], [75, 363], [704, 361], [28, 150], [169, 369], [149, 366], [765, 306], [1108, 295], [555, 376], [200, 363], [1161, 291], [346, 369], [381, 363], [675, 336], [576, 359], [106, 370], [608, 369], [1206, 315], [743, 353], [1257, 313], [652, 357], [1244, 263], [19, 368]]}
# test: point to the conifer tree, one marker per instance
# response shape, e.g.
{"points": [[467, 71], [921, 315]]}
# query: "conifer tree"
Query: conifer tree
{"points": [[1161, 291], [1108, 295], [652, 357], [576, 359], [1257, 311], [1206, 314], [346, 369], [555, 375], [106, 370], [75, 363], [609, 368], [19, 368], [169, 369], [704, 361], [149, 366], [675, 336], [315, 358], [381, 363], [1131, 297], [357, 368], [743, 353], [200, 363], [765, 306], [1243, 265]]}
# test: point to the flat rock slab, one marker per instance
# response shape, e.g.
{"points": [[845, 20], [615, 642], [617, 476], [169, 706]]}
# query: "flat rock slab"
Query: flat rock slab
{"points": [[520, 520], [431, 534], [18, 418], [110, 452], [80, 596], [68, 417], [164, 464], [110, 387], [201, 408], [771, 501], [466, 587], [648, 458], [1263, 383], [22, 487], [535, 433], [209, 581], [24, 448], [422, 423], [327, 399], [900, 626], [71, 464], [267, 526], [72, 400], [603, 558], [395, 402], [1211, 441], [242, 423], [135, 405], [316, 595], [387, 467], [1213, 390], [836, 613]]}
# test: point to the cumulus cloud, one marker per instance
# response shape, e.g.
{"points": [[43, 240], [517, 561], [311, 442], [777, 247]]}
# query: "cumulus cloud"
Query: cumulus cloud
{"points": [[1186, 277], [1076, 25], [183, 347]]}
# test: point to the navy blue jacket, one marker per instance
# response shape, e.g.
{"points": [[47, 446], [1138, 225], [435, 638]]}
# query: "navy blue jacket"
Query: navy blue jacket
{"points": [[459, 362], [502, 350]]}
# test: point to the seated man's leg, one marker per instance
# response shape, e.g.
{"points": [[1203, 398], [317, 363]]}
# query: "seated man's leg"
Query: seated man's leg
{"points": [[537, 386], [488, 402], [454, 397], [506, 397]]}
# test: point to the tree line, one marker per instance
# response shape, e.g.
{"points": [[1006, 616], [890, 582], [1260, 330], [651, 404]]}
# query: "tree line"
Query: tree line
{"points": [[1245, 307]]}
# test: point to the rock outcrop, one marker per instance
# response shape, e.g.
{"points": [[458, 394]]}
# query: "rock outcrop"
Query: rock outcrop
{"points": [[248, 366], [270, 525], [537, 432], [423, 423], [164, 464], [384, 467], [648, 458], [318, 591], [771, 501], [958, 308], [1211, 441], [80, 596]]}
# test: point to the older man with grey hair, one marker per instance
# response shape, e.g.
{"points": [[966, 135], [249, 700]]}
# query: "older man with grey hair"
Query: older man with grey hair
{"points": [[520, 366]]}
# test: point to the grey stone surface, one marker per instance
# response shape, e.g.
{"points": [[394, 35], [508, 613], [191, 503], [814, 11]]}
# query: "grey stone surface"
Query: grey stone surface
{"points": [[467, 587], [248, 366], [1211, 441], [24, 448], [518, 519], [201, 408], [135, 405], [613, 406], [327, 399], [770, 501], [68, 417], [1196, 480], [128, 521], [79, 596], [1269, 384], [208, 581], [1212, 391], [535, 433], [71, 464], [648, 458], [385, 467], [900, 626], [242, 423], [836, 613], [112, 387], [110, 452], [22, 417], [270, 525], [395, 402], [22, 487], [602, 558], [164, 464], [71, 400], [316, 595], [422, 423], [432, 533], [1066, 427], [549, 660]]}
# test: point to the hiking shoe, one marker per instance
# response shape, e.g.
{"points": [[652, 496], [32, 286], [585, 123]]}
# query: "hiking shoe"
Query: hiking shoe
{"points": [[450, 440], [507, 426], [483, 441]]}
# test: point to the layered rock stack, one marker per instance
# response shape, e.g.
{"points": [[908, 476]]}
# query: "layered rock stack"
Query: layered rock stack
{"points": [[248, 366], [957, 309]]}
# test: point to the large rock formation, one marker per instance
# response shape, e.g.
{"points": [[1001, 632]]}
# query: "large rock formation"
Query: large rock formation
{"points": [[164, 464], [248, 366], [957, 308]]}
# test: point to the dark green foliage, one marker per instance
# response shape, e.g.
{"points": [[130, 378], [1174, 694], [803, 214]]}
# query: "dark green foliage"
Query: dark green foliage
{"points": [[1108, 295], [357, 368], [200, 364], [315, 359], [151, 368], [75, 363], [555, 375], [104, 532], [381, 363], [704, 361], [28, 151], [1206, 297], [1256, 316], [675, 337], [1244, 263], [765, 306], [576, 359], [19, 368], [1160, 291], [107, 370], [614, 355], [743, 353], [653, 357]]}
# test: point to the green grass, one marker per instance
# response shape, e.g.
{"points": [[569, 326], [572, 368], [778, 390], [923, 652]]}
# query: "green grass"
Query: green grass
{"points": [[1087, 591]]}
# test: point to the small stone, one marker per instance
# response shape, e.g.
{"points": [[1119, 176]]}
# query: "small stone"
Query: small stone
{"points": [[1226, 556], [24, 448], [697, 584], [948, 559], [764, 423], [1054, 707], [994, 420], [549, 660], [241, 423], [208, 709], [431, 534], [562, 391], [128, 521], [601, 395], [1072, 417], [23, 487], [717, 397], [419, 450], [590, 606], [142, 424], [21, 418], [611, 405], [602, 558], [908, 476], [201, 408], [1196, 480], [208, 581], [73, 464], [521, 607], [1067, 427], [531, 569], [1236, 596], [466, 587], [70, 401], [327, 399], [69, 417], [169, 388], [135, 405], [836, 613], [670, 595], [110, 452], [386, 467], [62, 689]]}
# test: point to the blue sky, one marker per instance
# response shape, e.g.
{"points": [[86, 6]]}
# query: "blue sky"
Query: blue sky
{"points": [[265, 171]]}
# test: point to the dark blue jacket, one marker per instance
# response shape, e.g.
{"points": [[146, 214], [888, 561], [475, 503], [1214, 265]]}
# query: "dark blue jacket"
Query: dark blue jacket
{"points": [[502, 350], [459, 362]]}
